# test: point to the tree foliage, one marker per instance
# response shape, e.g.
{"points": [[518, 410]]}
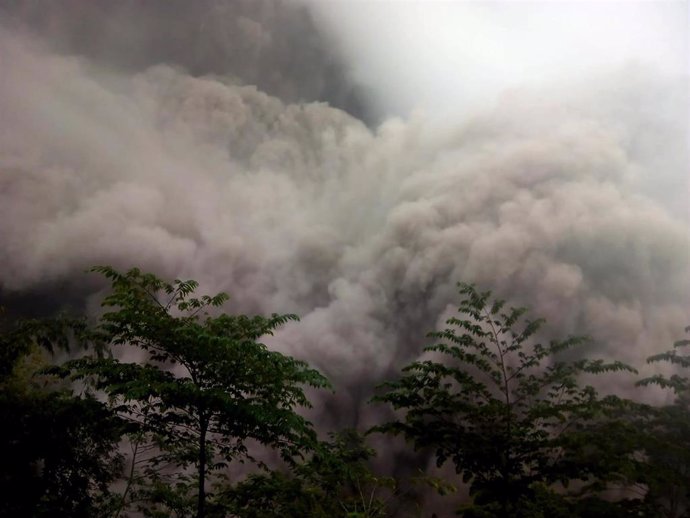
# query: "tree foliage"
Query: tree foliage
{"points": [[667, 443], [501, 406], [59, 455], [59, 452], [334, 482], [187, 389], [207, 385]]}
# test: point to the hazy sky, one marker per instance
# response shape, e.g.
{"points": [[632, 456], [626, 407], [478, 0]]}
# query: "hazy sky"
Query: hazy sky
{"points": [[447, 56]]}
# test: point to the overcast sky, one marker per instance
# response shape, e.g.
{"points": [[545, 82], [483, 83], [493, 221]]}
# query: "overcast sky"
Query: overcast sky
{"points": [[449, 56]]}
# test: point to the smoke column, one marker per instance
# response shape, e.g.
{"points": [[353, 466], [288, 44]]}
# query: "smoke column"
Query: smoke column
{"points": [[351, 168]]}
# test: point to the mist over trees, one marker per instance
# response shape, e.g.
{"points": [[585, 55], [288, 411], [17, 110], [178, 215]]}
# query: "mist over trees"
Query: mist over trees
{"points": [[164, 395]]}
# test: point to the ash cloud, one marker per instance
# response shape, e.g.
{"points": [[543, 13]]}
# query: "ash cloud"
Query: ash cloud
{"points": [[567, 199], [273, 44]]}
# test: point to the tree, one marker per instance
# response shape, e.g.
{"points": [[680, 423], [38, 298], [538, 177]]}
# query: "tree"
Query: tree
{"points": [[507, 411], [19, 338], [59, 455], [334, 482], [667, 444], [59, 452], [207, 387]]}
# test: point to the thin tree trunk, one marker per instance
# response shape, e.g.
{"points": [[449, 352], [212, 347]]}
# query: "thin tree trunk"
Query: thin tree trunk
{"points": [[130, 479], [201, 503]]}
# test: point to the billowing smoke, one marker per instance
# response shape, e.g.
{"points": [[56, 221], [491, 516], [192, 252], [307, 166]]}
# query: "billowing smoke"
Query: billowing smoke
{"points": [[224, 141], [274, 45]]}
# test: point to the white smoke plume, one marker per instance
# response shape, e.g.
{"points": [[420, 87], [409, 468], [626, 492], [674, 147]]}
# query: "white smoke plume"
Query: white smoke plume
{"points": [[569, 198]]}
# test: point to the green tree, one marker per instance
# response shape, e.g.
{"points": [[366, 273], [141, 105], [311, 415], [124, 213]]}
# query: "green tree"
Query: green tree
{"points": [[206, 387], [335, 482], [59, 455], [507, 411], [59, 452], [667, 442]]}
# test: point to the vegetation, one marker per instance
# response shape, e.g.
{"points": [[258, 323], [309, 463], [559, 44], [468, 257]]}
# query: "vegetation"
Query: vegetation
{"points": [[668, 438], [171, 392], [206, 387], [335, 481], [59, 452], [505, 410]]}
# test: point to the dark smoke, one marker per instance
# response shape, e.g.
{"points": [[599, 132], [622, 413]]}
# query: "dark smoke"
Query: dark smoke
{"points": [[272, 44]]}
